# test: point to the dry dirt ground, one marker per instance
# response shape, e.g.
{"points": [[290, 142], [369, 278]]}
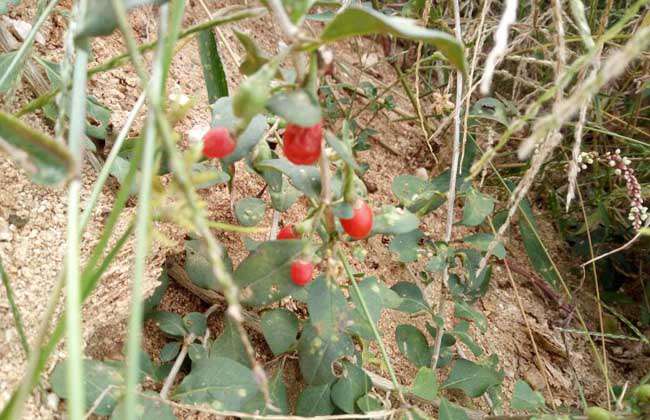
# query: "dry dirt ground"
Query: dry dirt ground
{"points": [[32, 252]]}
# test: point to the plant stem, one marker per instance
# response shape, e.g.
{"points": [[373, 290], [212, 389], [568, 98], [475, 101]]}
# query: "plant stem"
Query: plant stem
{"points": [[375, 332], [143, 221], [18, 320]]}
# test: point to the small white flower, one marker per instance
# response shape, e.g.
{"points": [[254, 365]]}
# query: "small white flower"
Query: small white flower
{"points": [[583, 166], [626, 161], [196, 133], [617, 151], [612, 163], [617, 171]]}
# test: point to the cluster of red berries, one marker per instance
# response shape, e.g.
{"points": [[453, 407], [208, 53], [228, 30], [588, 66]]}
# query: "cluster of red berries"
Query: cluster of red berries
{"points": [[358, 227], [302, 146]]}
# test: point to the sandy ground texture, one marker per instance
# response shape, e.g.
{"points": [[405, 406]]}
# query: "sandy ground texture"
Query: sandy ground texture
{"points": [[32, 233]]}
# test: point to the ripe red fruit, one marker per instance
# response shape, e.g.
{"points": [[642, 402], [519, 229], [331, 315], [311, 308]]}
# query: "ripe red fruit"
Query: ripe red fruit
{"points": [[287, 232], [360, 224], [302, 145], [301, 272], [217, 143]]}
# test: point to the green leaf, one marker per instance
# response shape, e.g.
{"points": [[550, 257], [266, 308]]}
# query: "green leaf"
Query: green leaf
{"points": [[170, 323], [343, 149], [101, 20], [296, 9], [327, 306], [214, 75], [464, 310], [278, 393], [471, 378], [412, 343], [254, 57], [224, 116], [436, 264], [250, 211], [153, 301], [48, 162], [461, 331], [98, 376], [205, 175], [264, 276], [170, 351], [285, 198], [196, 323], [393, 220], [280, 328], [229, 344], [535, 249], [524, 398], [491, 109], [376, 296], [449, 411], [146, 408], [198, 266], [352, 385], [304, 177], [412, 298], [406, 245], [220, 382], [315, 400], [477, 207], [368, 403], [317, 353], [365, 21], [254, 92], [415, 193], [296, 107], [5, 62], [425, 384], [481, 241]]}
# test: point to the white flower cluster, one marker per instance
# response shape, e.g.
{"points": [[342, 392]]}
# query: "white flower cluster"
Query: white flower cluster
{"points": [[586, 158], [638, 212]]}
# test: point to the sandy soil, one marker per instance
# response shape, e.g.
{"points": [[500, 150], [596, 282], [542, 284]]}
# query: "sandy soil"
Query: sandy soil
{"points": [[33, 253]]}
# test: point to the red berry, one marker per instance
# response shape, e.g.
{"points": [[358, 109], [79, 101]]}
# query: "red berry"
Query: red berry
{"points": [[301, 272], [302, 145], [360, 224], [217, 143], [287, 232]]}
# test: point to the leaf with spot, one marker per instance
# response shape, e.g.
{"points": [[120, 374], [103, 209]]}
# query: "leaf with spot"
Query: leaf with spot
{"points": [[471, 378], [223, 116], [476, 208], [415, 193], [436, 264], [393, 220], [315, 400], [481, 241], [280, 328], [406, 245], [465, 311], [170, 323], [198, 266], [491, 109], [317, 353], [97, 378], [214, 75], [356, 20], [278, 393], [264, 276], [412, 343], [250, 211], [352, 385], [412, 297], [449, 411], [146, 408], [524, 398], [229, 344], [327, 306], [46, 161], [306, 178], [376, 295], [425, 384], [196, 323], [220, 382], [295, 107]]}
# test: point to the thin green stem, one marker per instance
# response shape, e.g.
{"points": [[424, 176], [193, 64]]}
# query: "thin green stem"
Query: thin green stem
{"points": [[143, 219], [227, 227], [15, 311], [375, 331]]}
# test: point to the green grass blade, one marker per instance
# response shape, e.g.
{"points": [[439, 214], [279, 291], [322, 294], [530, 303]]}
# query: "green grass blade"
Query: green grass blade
{"points": [[213, 71], [15, 311]]}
